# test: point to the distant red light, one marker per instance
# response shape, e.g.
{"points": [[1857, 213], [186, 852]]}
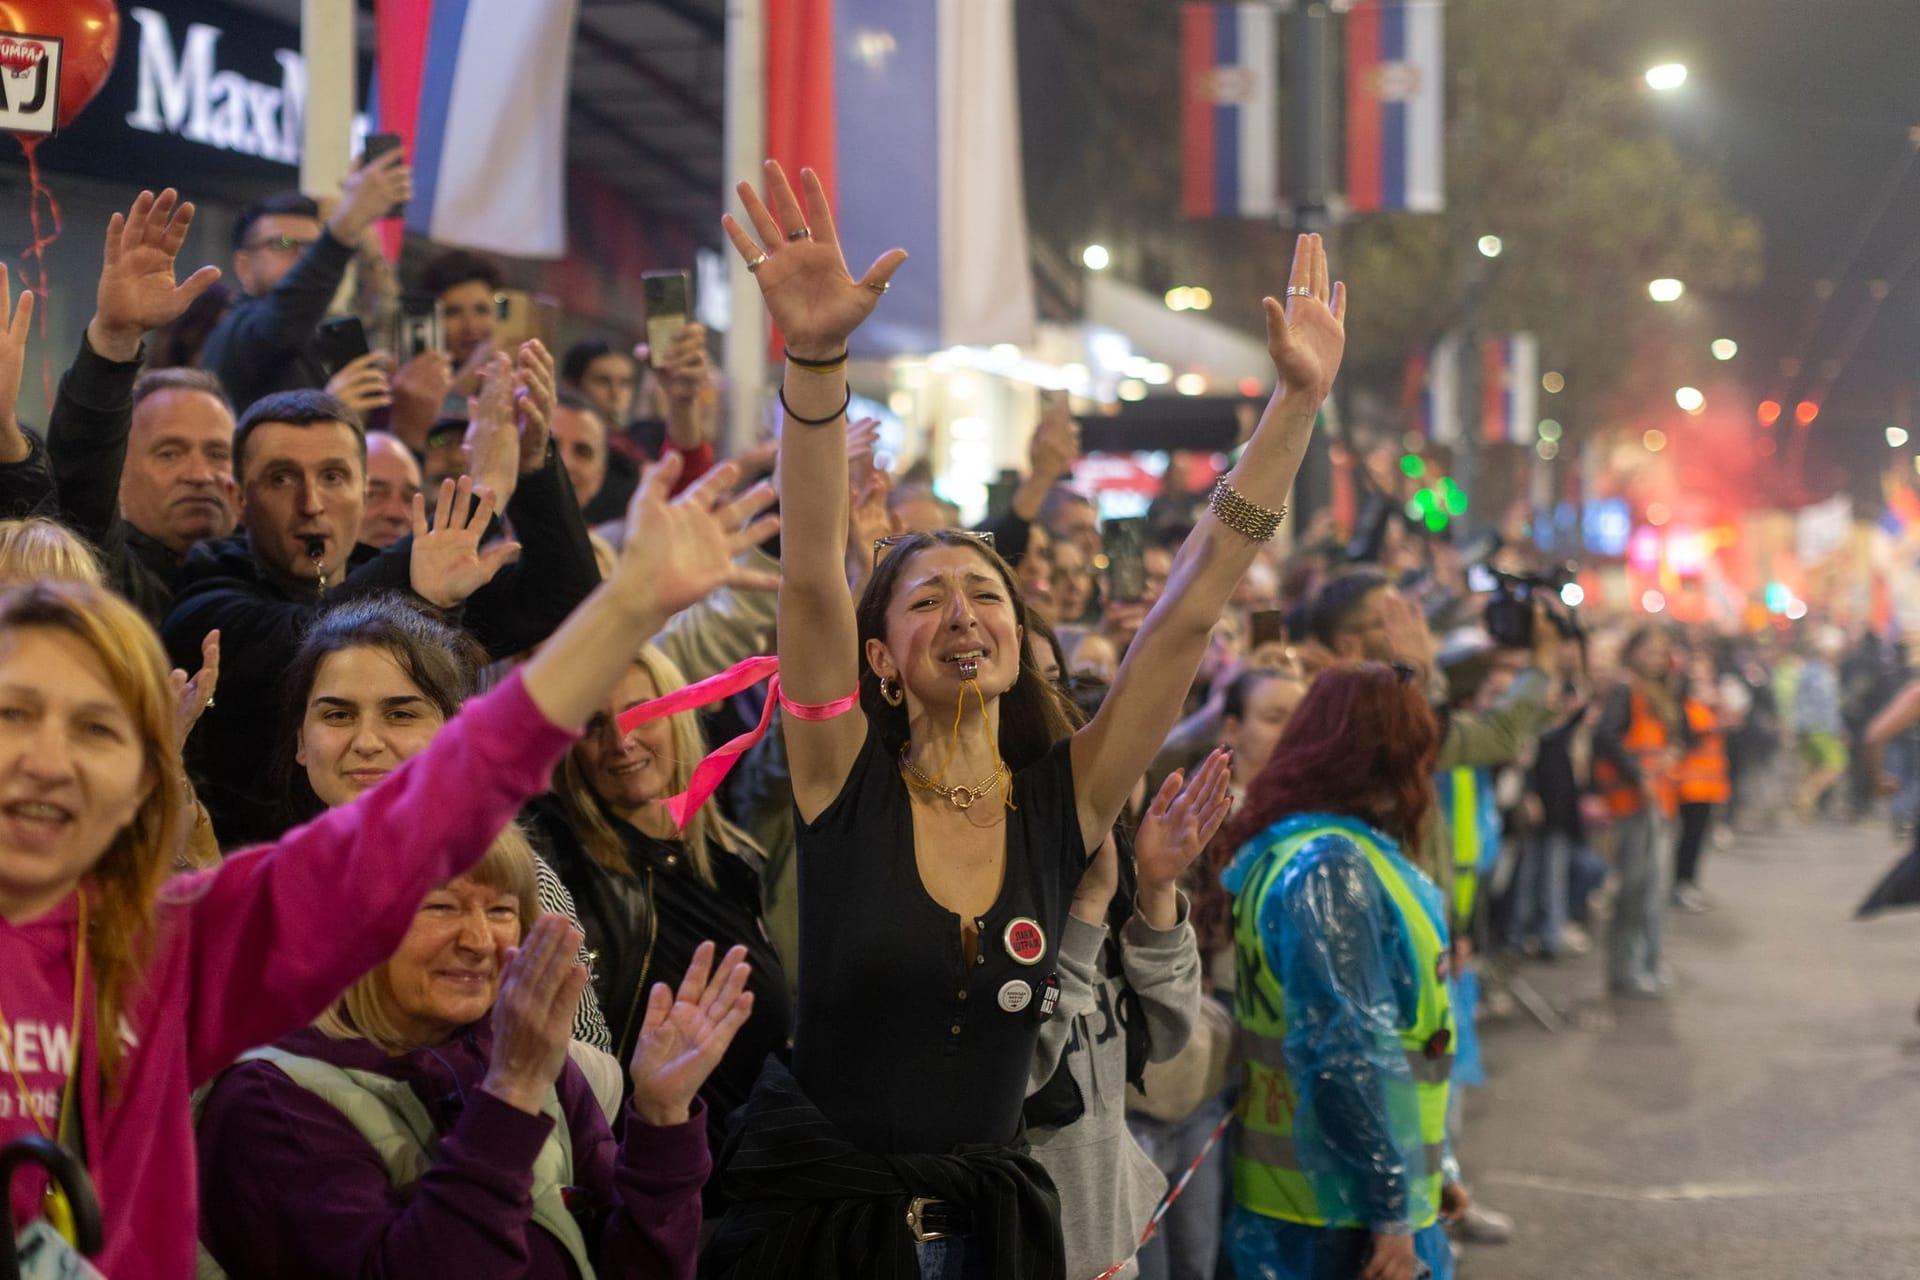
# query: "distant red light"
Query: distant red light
{"points": [[1769, 412], [1805, 412], [1250, 387]]}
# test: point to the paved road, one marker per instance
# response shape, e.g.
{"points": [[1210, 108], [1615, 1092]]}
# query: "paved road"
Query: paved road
{"points": [[1763, 1123]]}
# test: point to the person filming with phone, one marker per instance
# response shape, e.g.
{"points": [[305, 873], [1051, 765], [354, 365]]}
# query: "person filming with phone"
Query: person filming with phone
{"points": [[290, 264]]}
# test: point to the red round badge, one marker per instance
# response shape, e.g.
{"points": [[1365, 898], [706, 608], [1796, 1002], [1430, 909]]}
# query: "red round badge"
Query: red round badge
{"points": [[1026, 943]]}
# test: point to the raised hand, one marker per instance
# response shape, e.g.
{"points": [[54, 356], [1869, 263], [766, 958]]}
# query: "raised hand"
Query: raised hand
{"points": [[369, 191], [535, 392], [1055, 443], [681, 551], [193, 696], [448, 563], [466, 379], [137, 290], [362, 382], [1307, 335], [795, 254], [420, 388], [540, 987], [492, 443], [14, 328], [684, 1035], [1180, 821]]}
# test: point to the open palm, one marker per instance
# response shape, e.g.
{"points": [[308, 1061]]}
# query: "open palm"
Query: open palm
{"points": [[802, 271], [1308, 334], [1181, 820], [448, 564], [137, 289], [681, 551], [16, 322], [685, 1034]]}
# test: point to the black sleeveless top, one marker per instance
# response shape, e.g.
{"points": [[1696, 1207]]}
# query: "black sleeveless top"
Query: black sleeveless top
{"points": [[900, 1042]]}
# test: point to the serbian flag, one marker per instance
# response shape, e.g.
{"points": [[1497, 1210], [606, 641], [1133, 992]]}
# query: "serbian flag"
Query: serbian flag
{"points": [[1509, 388], [1435, 377], [477, 91], [1396, 116], [909, 111], [1229, 111]]}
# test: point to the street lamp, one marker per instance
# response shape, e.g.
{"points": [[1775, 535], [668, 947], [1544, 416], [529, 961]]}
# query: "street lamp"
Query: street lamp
{"points": [[1690, 399], [1666, 77], [1096, 257], [1725, 348], [1665, 289], [1490, 246], [1896, 437]]}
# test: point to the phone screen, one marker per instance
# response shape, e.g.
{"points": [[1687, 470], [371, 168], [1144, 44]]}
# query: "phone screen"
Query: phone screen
{"points": [[418, 329], [339, 342], [520, 316], [1125, 543], [1480, 579], [378, 144], [669, 301]]}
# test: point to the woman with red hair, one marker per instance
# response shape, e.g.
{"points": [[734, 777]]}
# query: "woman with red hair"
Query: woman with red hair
{"points": [[1341, 1165]]}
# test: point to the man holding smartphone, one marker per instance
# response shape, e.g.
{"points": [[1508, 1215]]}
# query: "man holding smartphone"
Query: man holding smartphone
{"points": [[290, 265]]}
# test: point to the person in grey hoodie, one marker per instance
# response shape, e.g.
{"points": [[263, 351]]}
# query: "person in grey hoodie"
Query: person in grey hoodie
{"points": [[1129, 994]]}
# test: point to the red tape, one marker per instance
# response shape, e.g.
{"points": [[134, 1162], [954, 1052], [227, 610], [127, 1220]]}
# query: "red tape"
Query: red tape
{"points": [[1173, 1193]]}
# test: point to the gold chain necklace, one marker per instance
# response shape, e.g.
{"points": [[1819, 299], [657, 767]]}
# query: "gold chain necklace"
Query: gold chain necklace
{"points": [[960, 797]]}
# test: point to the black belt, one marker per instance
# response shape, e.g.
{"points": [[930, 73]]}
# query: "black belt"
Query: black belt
{"points": [[929, 1219]]}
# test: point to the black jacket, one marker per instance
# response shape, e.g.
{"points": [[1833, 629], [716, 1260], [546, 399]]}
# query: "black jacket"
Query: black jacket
{"points": [[236, 744], [263, 345], [809, 1205], [87, 439], [26, 486], [643, 928]]}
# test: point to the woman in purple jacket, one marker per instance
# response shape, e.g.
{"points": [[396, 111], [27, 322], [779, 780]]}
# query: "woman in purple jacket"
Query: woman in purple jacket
{"points": [[422, 1127]]}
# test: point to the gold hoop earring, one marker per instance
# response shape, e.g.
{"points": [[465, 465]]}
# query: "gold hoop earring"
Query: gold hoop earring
{"points": [[892, 694]]}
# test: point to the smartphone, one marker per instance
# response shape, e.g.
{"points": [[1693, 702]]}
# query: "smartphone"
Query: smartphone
{"points": [[339, 342], [1124, 542], [378, 144], [520, 315], [1481, 580], [1269, 626], [668, 296], [419, 327]]}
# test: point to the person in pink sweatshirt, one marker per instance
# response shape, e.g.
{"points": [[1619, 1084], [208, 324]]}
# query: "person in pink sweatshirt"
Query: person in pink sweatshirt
{"points": [[185, 975]]}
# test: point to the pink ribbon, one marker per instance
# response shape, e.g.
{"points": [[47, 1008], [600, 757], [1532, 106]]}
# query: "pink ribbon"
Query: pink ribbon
{"points": [[712, 771]]}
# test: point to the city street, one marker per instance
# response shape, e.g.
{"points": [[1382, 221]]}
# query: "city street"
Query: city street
{"points": [[1761, 1122]]}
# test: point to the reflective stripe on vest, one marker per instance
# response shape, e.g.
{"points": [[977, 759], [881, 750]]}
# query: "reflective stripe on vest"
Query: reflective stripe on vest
{"points": [[1464, 811], [1702, 776], [1268, 1174], [386, 1113]]}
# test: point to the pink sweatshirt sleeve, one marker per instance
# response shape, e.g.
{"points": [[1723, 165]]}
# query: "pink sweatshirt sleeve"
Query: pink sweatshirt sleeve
{"points": [[274, 934]]}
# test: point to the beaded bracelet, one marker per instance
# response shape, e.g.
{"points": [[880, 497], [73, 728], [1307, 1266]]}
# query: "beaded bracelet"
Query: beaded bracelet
{"points": [[1244, 517], [835, 416]]}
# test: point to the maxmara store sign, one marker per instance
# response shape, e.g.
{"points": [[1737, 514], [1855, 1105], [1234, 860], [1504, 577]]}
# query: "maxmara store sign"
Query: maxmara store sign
{"points": [[201, 93]]}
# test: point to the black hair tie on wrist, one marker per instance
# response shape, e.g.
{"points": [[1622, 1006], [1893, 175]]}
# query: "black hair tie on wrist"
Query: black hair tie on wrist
{"points": [[832, 362], [815, 422]]}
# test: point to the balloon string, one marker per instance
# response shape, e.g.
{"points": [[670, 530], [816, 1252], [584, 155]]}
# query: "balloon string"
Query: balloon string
{"points": [[37, 252]]}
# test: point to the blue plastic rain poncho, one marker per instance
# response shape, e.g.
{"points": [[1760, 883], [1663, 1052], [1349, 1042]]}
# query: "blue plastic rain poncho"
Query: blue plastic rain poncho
{"points": [[1333, 935]]}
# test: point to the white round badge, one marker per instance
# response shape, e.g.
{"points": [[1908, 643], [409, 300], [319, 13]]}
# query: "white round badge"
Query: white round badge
{"points": [[1015, 995]]}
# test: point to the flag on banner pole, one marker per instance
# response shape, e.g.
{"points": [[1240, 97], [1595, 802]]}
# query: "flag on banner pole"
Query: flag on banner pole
{"points": [[1396, 106], [1509, 388], [914, 103], [1438, 416], [1229, 111], [477, 91]]}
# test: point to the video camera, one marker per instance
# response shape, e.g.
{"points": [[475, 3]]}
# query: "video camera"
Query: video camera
{"points": [[1509, 615]]}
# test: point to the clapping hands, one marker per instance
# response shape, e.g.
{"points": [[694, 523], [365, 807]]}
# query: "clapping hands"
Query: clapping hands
{"points": [[684, 1035]]}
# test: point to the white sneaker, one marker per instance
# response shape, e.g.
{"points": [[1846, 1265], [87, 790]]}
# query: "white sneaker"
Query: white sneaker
{"points": [[1574, 940], [1479, 1225]]}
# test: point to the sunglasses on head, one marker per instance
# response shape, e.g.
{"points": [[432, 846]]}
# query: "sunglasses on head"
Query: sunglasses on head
{"points": [[883, 545]]}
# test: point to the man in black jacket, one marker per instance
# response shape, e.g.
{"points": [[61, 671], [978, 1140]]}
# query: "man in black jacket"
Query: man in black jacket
{"points": [[302, 464], [291, 265]]}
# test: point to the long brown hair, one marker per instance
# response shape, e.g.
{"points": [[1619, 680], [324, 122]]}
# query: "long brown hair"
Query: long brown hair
{"points": [[128, 876], [1031, 717], [1362, 744]]}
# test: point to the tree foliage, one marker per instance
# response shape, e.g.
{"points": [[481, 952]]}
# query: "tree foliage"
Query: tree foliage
{"points": [[1552, 144]]}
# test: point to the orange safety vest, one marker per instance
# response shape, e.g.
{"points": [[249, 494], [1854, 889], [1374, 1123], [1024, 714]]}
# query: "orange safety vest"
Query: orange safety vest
{"points": [[1702, 777], [1647, 740]]}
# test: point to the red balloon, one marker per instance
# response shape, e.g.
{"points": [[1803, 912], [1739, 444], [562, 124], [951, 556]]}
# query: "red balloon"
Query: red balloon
{"points": [[91, 31]]}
